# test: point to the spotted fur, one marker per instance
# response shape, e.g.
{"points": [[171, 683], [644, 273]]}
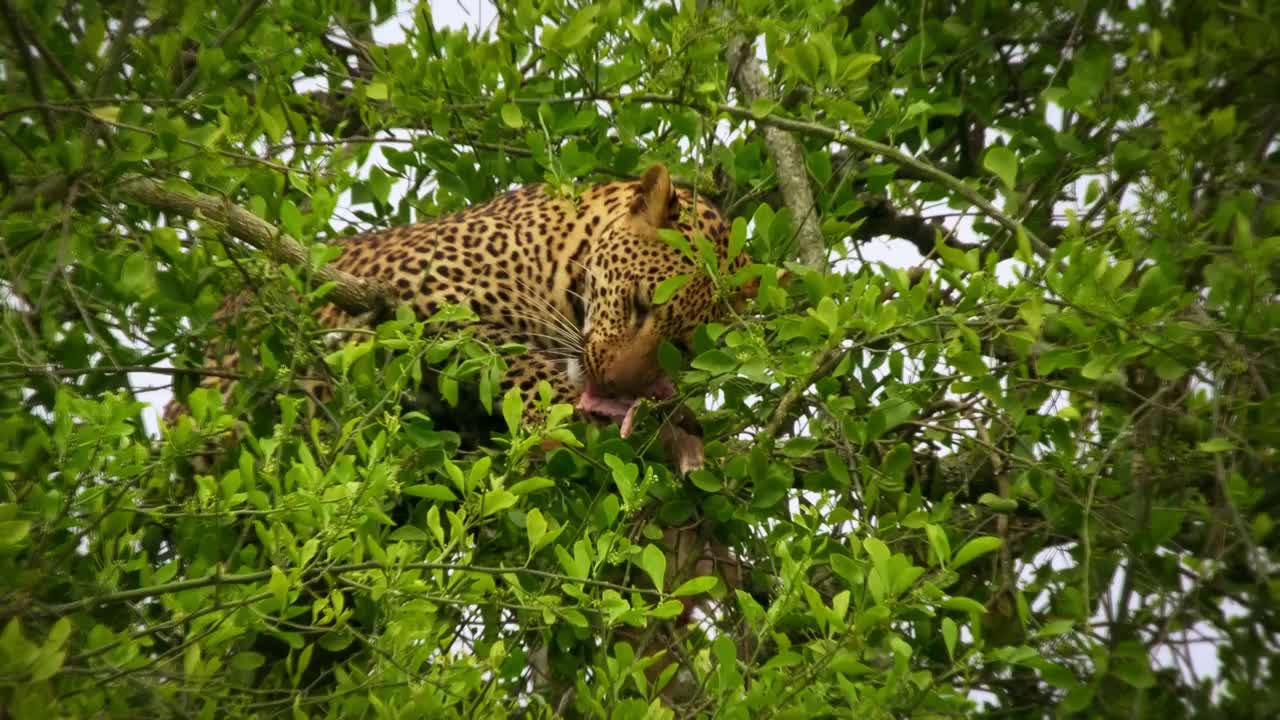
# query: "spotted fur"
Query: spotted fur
{"points": [[572, 279]]}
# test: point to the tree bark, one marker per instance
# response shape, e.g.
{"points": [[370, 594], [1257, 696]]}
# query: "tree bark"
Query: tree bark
{"points": [[355, 295], [787, 154]]}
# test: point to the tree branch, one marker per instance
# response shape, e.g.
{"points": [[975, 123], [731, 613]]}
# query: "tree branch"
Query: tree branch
{"points": [[15, 21], [881, 218], [316, 572], [921, 169], [787, 154], [828, 360], [44, 371], [355, 295], [12, 20], [246, 13]]}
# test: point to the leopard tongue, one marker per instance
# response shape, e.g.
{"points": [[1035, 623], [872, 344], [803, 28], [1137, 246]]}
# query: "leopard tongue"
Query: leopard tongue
{"points": [[682, 443], [621, 407], [593, 402]]}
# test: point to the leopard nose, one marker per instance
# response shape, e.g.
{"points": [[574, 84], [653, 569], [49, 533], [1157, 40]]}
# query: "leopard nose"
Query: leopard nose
{"points": [[631, 374]]}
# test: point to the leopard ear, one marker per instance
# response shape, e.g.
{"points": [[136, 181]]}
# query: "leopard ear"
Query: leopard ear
{"points": [[653, 197]]}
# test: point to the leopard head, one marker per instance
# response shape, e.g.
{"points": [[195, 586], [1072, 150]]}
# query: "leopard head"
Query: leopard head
{"points": [[626, 264]]}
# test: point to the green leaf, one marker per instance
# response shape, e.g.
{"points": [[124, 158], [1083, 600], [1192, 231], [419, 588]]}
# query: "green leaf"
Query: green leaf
{"points": [[512, 116], [1024, 245], [667, 288], [939, 543], [1134, 673], [897, 462], [695, 586], [857, 65], [1001, 161], [654, 562], [137, 274], [889, 415], [715, 361], [536, 526], [1055, 628], [376, 91], [804, 60], [58, 635], [495, 501], [1216, 445], [761, 108], [828, 314], [512, 409], [949, 634], [247, 661], [1098, 366], [737, 236], [955, 257], [47, 665], [439, 493], [568, 563], [290, 218], [964, 604], [668, 610], [531, 485], [705, 480], [110, 113], [999, 504], [278, 586], [191, 659], [579, 27], [13, 532], [624, 476], [974, 549], [677, 241], [751, 610], [433, 524], [879, 554]]}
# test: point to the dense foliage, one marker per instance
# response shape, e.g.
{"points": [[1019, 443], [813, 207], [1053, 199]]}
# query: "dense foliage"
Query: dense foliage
{"points": [[1028, 468]]}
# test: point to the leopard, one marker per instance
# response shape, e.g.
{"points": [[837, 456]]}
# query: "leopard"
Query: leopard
{"points": [[571, 277]]}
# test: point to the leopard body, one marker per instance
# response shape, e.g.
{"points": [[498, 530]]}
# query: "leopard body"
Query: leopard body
{"points": [[572, 279]]}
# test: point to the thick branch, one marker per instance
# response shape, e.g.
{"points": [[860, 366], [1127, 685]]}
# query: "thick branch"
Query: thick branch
{"points": [[919, 168], [786, 152], [881, 218], [353, 294]]}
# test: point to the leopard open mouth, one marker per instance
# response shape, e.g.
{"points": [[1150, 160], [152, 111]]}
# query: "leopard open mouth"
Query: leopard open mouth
{"points": [[622, 408]]}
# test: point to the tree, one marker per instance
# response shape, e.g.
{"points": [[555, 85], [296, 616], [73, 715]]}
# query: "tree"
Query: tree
{"points": [[1028, 471]]}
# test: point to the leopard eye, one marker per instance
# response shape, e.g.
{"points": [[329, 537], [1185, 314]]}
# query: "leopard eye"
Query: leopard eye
{"points": [[640, 307]]}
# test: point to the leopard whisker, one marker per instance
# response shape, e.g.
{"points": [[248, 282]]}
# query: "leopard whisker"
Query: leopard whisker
{"points": [[529, 295], [552, 311], [553, 330], [566, 346], [557, 353], [589, 271]]}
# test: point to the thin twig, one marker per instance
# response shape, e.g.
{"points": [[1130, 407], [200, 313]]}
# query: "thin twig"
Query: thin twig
{"points": [[828, 360], [246, 13], [14, 24], [12, 15], [218, 579]]}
